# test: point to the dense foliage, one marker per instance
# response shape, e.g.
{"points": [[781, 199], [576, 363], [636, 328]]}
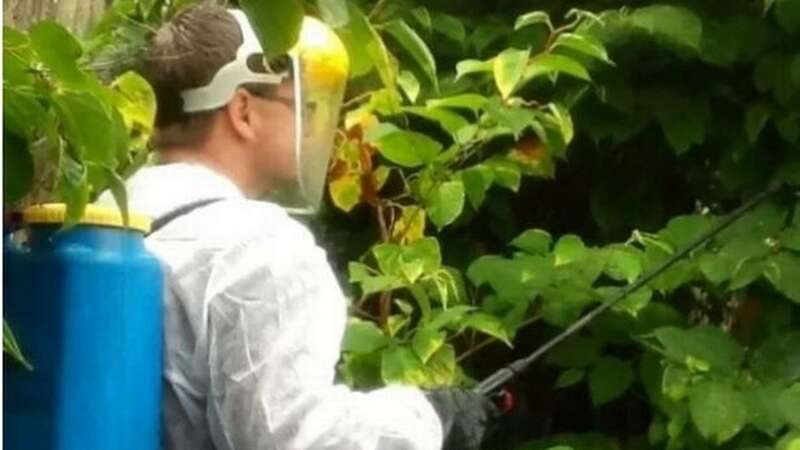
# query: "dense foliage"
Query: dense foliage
{"points": [[503, 167]]}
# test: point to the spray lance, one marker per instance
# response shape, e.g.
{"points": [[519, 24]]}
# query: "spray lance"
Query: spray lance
{"points": [[492, 386]]}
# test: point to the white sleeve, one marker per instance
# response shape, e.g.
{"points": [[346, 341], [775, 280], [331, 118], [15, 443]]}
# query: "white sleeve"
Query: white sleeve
{"points": [[276, 321]]}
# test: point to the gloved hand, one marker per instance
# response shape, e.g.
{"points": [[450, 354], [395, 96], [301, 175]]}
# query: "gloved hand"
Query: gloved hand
{"points": [[466, 417]]}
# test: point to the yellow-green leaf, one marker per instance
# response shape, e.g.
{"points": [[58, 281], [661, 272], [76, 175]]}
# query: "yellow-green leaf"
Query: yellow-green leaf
{"points": [[508, 68]]}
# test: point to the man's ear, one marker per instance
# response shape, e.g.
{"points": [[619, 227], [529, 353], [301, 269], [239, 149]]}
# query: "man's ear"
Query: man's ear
{"points": [[240, 114]]}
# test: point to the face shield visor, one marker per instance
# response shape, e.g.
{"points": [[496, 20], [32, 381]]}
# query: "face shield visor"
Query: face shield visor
{"points": [[317, 69]]}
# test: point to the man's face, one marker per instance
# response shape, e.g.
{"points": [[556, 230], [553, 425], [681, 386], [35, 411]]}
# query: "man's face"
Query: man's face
{"points": [[275, 133]]}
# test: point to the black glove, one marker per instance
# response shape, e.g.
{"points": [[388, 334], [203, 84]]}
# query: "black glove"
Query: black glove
{"points": [[466, 417]]}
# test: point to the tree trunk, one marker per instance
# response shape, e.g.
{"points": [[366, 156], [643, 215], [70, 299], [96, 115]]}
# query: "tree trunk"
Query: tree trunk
{"points": [[76, 15]]}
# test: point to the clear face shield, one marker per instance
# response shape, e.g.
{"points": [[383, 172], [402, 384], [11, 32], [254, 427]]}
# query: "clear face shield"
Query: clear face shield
{"points": [[317, 67]]}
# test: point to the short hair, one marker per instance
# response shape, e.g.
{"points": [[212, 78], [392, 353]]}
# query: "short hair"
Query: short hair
{"points": [[186, 52]]}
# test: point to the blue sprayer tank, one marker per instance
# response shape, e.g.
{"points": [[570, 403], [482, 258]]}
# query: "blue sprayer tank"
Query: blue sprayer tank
{"points": [[85, 306]]}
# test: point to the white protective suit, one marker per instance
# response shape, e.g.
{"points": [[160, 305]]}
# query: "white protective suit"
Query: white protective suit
{"points": [[254, 320]]}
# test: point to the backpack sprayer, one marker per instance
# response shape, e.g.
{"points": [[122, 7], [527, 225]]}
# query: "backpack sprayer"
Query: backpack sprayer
{"points": [[492, 385]]}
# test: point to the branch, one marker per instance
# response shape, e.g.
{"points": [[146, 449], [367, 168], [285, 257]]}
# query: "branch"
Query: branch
{"points": [[481, 345], [379, 7]]}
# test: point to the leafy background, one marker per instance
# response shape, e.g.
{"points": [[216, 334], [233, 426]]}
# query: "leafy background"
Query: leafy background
{"points": [[501, 168]]}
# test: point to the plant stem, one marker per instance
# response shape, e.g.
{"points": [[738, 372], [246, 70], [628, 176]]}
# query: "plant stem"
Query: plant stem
{"points": [[355, 100], [377, 9], [481, 345], [385, 310]]}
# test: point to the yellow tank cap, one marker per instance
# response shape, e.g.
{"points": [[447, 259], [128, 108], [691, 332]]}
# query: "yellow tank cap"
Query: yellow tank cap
{"points": [[55, 213]]}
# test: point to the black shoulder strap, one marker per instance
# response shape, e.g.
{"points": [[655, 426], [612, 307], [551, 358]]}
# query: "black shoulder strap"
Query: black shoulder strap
{"points": [[162, 221]]}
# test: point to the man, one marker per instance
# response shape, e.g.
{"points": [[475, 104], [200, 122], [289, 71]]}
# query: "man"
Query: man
{"points": [[253, 315]]}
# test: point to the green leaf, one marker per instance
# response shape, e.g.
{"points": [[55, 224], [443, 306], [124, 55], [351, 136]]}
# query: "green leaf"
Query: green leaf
{"points": [[117, 187], [400, 365], [449, 26], [277, 24], [11, 347], [425, 251], [683, 119], [755, 119], [89, 127], [773, 74], [569, 378], [778, 359], [469, 66], [408, 148], [426, 342], [508, 68], [582, 44], [623, 263], [535, 242], [514, 118], [355, 35], [569, 248], [376, 49], [361, 370], [416, 47], [575, 352], [683, 230], [389, 257], [446, 203], [18, 168], [135, 100], [59, 51], [372, 284], [549, 63], [563, 124], [789, 405], [18, 58], [74, 190], [449, 316], [423, 17], [718, 411], [440, 369], [409, 84], [448, 120], [410, 226], [676, 25], [367, 51], [787, 279], [334, 12], [676, 382], [486, 34], [363, 337], [762, 408], [788, 15], [746, 272], [533, 18], [788, 127], [609, 379], [489, 325], [791, 441], [408, 262], [701, 348], [477, 180], [506, 173], [472, 102], [515, 280], [23, 114], [632, 304]]}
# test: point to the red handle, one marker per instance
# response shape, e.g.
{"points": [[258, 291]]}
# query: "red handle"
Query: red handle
{"points": [[505, 401]]}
